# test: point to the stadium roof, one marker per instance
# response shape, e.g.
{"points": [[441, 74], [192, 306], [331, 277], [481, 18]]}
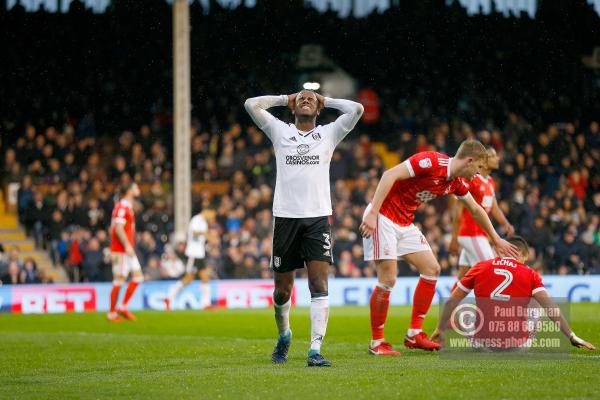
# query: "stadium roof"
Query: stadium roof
{"points": [[344, 8]]}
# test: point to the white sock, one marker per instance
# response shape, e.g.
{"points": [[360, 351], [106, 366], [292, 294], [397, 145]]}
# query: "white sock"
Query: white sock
{"points": [[174, 291], [375, 343], [413, 332], [319, 314], [205, 294], [282, 317]]}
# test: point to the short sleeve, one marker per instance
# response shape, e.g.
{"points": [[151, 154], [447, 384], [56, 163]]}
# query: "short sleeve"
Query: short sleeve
{"points": [[467, 283], [421, 164], [198, 224], [536, 283], [461, 188], [120, 216], [202, 225]]}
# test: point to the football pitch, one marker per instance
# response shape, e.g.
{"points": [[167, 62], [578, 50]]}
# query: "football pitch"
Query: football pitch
{"points": [[225, 354]]}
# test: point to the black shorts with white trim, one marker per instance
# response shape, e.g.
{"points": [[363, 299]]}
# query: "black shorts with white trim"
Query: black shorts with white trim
{"points": [[299, 240]]}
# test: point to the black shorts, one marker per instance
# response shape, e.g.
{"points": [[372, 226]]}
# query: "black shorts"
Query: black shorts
{"points": [[299, 240], [194, 265]]}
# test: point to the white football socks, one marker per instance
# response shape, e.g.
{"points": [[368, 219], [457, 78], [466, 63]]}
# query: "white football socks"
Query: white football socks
{"points": [[412, 332], [205, 300], [174, 291], [282, 317], [319, 314]]}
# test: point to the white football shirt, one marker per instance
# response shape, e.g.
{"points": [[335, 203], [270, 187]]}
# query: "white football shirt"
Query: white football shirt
{"points": [[302, 185], [196, 239]]}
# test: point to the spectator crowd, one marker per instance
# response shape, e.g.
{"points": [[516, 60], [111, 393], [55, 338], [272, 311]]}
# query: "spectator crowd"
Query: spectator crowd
{"points": [[71, 147], [548, 186]]}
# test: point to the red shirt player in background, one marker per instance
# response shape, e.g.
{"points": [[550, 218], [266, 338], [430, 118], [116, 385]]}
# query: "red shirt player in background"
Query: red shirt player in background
{"points": [[505, 283], [389, 232], [465, 230], [124, 260]]}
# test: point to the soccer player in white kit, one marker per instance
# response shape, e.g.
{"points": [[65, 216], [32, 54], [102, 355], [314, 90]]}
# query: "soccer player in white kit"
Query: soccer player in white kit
{"points": [[195, 252], [302, 205]]}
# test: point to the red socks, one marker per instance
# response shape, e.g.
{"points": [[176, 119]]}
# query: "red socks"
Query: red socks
{"points": [[114, 297], [422, 300], [380, 303], [130, 289]]}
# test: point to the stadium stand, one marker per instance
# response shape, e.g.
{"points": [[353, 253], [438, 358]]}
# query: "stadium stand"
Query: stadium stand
{"points": [[71, 136]]}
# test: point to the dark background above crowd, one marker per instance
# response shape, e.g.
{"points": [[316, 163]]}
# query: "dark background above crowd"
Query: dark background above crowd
{"points": [[426, 60]]}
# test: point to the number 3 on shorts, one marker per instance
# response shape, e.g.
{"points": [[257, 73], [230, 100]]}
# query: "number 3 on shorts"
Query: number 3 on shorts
{"points": [[327, 244]]}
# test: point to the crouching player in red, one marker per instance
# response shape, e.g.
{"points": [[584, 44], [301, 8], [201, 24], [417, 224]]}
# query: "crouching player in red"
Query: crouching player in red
{"points": [[505, 284], [124, 260], [389, 233]]}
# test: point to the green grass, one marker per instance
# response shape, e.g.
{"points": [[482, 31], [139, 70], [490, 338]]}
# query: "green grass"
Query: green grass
{"points": [[226, 354]]}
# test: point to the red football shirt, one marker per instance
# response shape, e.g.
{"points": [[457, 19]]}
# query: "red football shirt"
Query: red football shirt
{"points": [[122, 214], [483, 191], [429, 172], [503, 290]]}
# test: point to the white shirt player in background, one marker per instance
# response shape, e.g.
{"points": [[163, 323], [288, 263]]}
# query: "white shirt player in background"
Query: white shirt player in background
{"points": [[195, 252], [302, 204]]}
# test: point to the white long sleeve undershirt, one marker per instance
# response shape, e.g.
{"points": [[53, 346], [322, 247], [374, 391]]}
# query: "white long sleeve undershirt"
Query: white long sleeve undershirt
{"points": [[352, 111], [302, 188], [257, 106]]}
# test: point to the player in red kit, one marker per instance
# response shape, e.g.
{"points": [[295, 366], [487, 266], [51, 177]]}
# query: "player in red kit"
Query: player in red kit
{"points": [[501, 286], [124, 260], [389, 233], [465, 230]]}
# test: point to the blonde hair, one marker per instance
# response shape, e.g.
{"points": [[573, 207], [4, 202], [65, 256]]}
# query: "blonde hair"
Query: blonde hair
{"points": [[472, 148]]}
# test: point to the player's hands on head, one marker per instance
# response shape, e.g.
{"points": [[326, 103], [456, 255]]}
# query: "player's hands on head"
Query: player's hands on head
{"points": [[454, 247], [320, 101], [579, 342], [292, 101], [506, 249], [368, 225]]}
